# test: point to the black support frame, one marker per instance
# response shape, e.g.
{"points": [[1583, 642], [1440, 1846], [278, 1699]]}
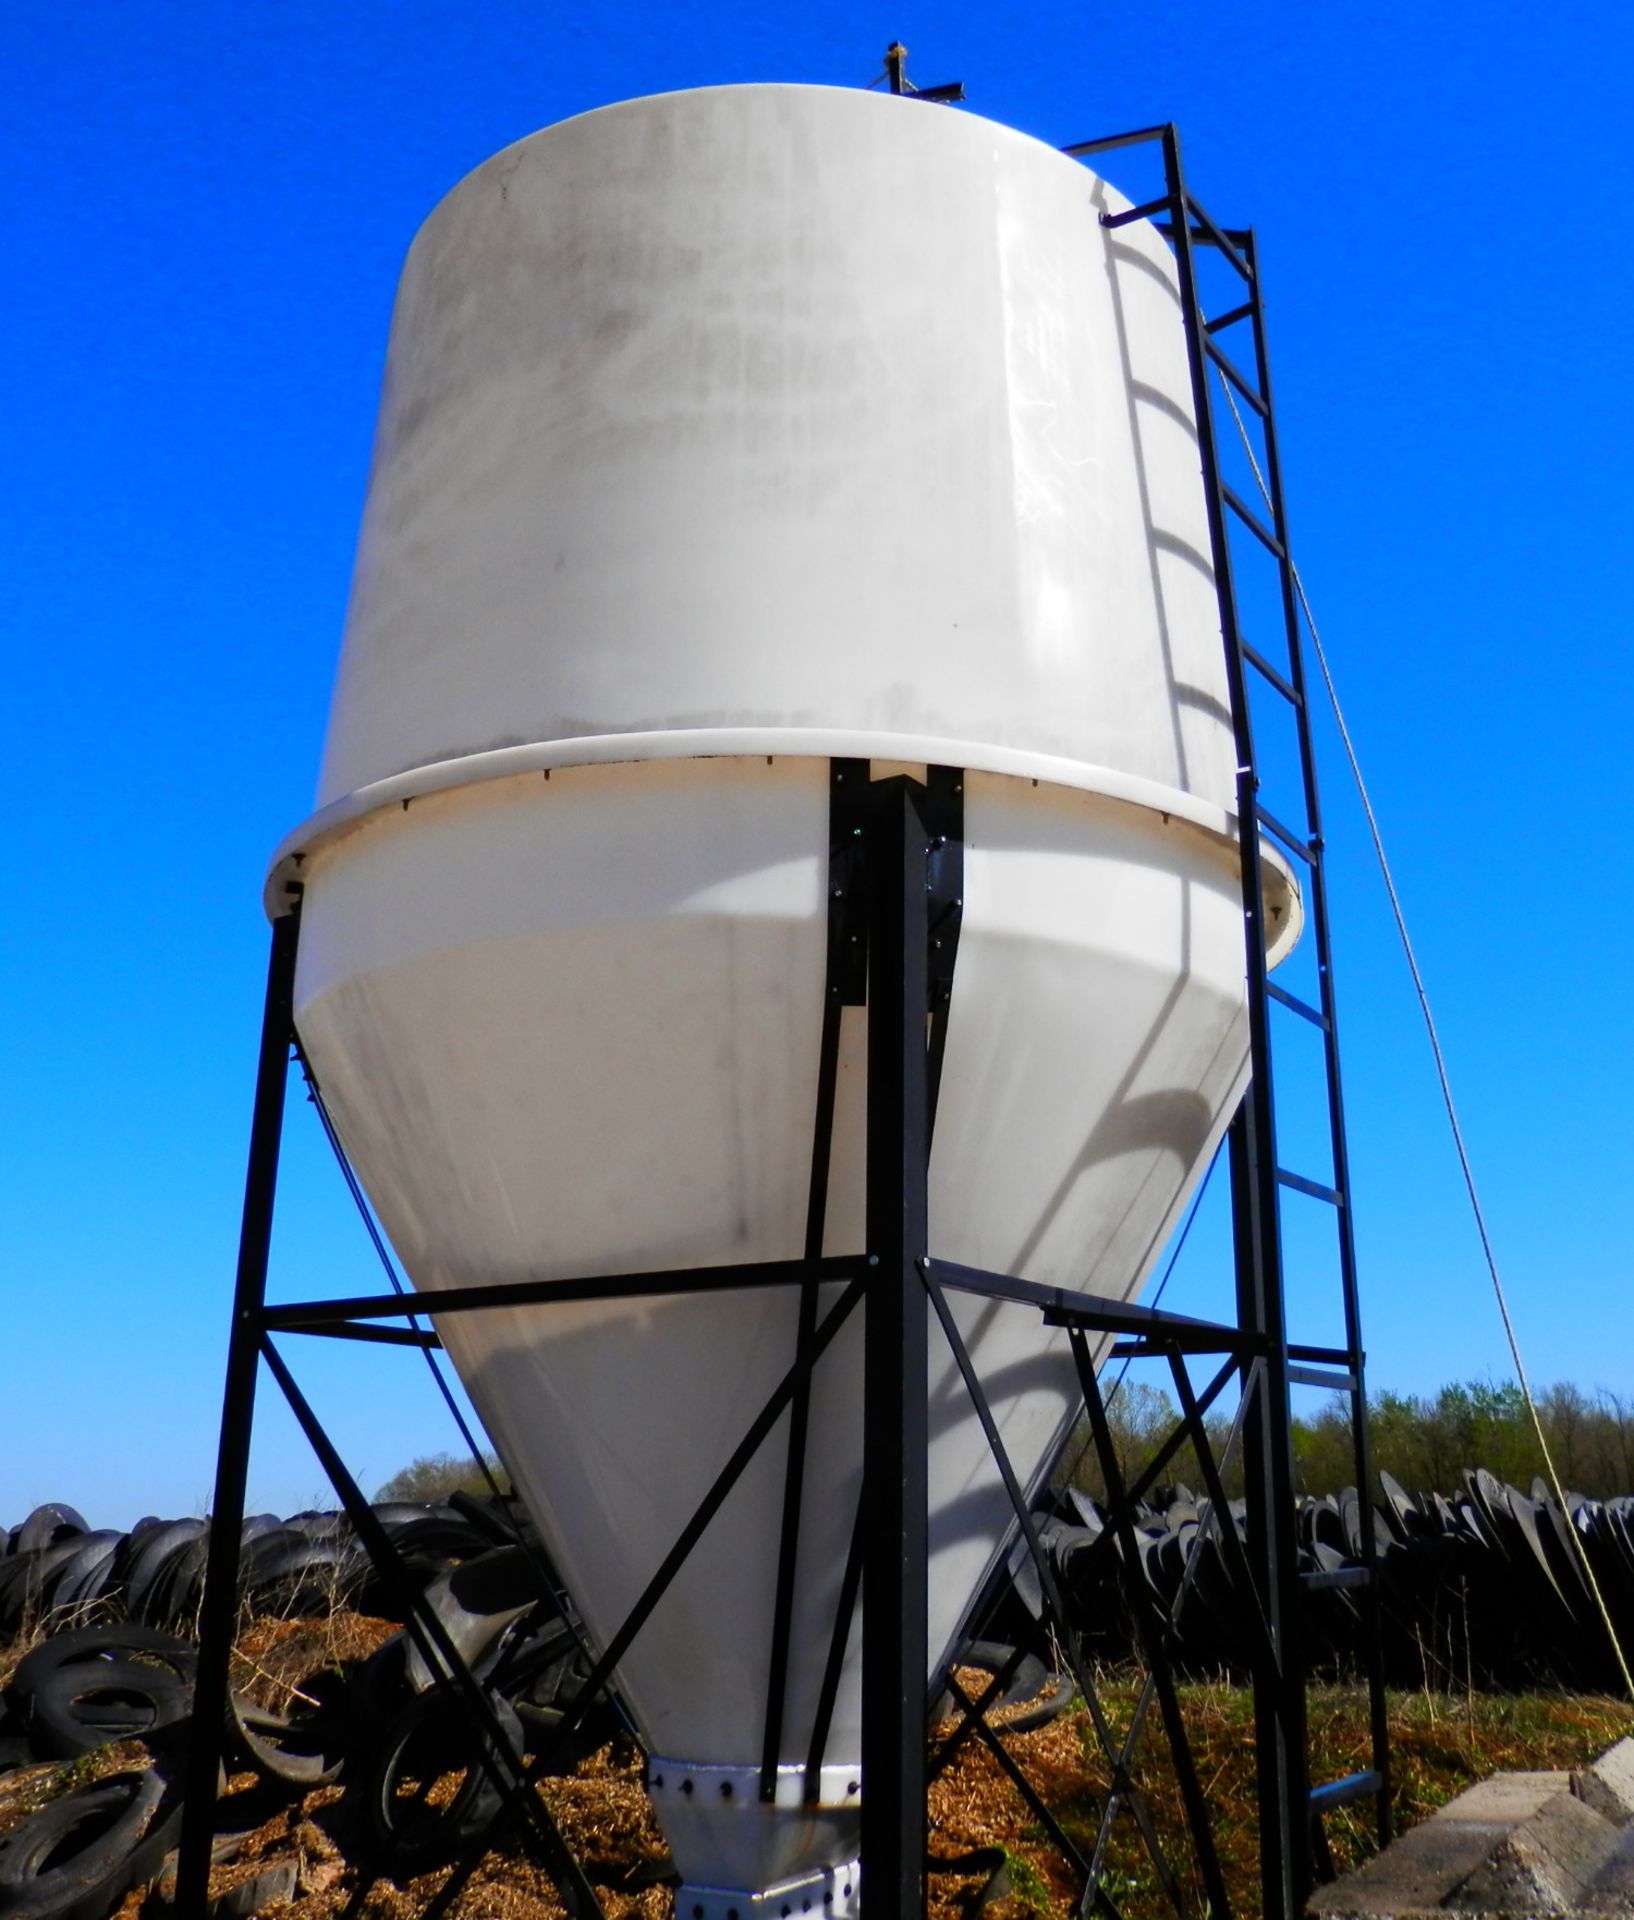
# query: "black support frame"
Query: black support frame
{"points": [[895, 905]]}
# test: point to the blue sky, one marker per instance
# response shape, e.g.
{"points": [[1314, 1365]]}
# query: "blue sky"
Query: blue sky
{"points": [[206, 210]]}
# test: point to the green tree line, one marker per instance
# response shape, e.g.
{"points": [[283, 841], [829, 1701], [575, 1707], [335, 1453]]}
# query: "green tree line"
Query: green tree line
{"points": [[1424, 1440], [434, 1476]]}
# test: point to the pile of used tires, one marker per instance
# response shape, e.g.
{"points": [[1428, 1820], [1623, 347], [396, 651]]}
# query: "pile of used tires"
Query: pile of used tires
{"points": [[56, 1571], [376, 1727], [1482, 1587]]}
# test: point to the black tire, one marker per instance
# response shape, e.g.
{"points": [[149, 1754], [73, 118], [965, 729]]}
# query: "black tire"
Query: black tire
{"points": [[380, 1689], [84, 1688], [279, 1567], [287, 1571], [431, 1737], [84, 1576], [150, 1558], [503, 1524], [433, 1539], [74, 1859], [542, 1675], [161, 1840], [1042, 1695], [391, 1514], [300, 1751], [176, 1592], [993, 1657], [48, 1526], [994, 1862], [477, 1603], [16, 1750], [16, 1578], [28, 1589], [543, 1670], [1059, 1692]]}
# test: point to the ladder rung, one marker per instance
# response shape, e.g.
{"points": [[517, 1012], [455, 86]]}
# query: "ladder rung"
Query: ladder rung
{"points": [[1286, 835], [1339, 1577], [1322, 1377], [1314, 1188], [1297, 1006], [1260, 664], [1233, 239], [1255, 526], [1230, 319], [1238, 379], [1323, 1356], [1340, 1793], [1142, 212], [1217, 237]]}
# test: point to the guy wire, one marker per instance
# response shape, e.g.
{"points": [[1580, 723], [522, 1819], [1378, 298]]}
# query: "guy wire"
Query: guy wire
{"points": [[1442, 1075]]}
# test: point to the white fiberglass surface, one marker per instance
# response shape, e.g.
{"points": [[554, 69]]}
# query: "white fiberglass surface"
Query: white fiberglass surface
{"points": [[570, 1026], [785, 407]]}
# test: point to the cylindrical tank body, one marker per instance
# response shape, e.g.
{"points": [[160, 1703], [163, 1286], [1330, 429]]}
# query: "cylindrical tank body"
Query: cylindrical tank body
{"points": [[722, 433]]}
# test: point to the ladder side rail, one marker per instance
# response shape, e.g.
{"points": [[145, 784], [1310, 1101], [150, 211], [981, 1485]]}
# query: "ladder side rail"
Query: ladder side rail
{"points": [[1317, 878], [1280, 1720], [1361, 1440]]}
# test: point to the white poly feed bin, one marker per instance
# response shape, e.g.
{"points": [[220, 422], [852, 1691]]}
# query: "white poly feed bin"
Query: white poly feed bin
{"points": [[722, 433]]}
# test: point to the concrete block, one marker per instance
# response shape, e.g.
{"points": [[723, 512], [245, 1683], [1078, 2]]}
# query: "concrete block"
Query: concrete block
{"points": [[1544, 1865], [1377, 1912], [1608, 1786], [1432, 1860], [1506, 1798], [1519, 1843], [1612, 1891], [1419, 1870]]}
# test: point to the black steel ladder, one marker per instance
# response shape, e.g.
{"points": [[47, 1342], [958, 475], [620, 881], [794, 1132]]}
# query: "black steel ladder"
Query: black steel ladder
{"points": [[1294, 1848]]}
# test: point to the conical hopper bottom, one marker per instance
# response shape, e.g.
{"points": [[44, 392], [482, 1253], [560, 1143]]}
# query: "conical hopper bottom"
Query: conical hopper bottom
{"points": [[569, 1026]]}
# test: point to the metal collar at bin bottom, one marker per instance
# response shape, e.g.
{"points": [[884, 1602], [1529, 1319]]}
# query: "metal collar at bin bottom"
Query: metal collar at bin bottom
{"points": [[831, 1893], [688, 1782]]}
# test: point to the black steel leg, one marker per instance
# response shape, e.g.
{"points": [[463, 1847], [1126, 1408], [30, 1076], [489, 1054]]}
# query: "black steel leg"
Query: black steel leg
{"points": [[220, 1608], [1279, 1695], [895, 1434]]}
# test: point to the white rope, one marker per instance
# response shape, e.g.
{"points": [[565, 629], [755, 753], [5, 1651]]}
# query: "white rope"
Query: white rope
{"points": [[1440, 1071]]}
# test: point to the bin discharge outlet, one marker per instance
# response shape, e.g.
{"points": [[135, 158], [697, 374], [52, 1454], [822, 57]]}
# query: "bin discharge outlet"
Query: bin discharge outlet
{"points": [[724, 433]]}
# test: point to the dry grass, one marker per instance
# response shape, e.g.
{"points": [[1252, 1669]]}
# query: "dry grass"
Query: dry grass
{"points": [[602, 1810], [274, 1659], [13, 1655], [1441, 1745]]}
